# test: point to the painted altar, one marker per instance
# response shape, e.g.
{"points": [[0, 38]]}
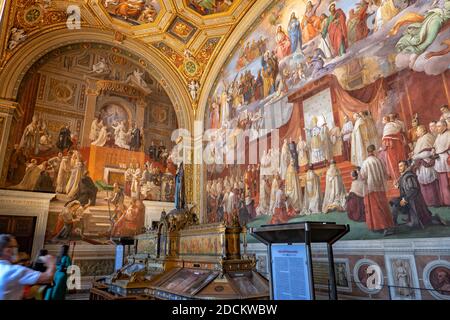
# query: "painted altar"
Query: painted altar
{"points": [[112, 158]]}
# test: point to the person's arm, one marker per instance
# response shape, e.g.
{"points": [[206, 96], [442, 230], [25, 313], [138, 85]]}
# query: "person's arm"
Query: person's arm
{"points": [[29, 277], [47, 276]]}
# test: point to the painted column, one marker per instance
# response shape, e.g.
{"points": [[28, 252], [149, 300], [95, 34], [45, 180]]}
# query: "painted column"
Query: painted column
{"points": [[140, 113], [89, 115], [8, 114]]}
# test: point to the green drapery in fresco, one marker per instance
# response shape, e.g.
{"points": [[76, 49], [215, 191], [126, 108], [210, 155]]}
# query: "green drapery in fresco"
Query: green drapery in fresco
{"points": [[419, 36]]}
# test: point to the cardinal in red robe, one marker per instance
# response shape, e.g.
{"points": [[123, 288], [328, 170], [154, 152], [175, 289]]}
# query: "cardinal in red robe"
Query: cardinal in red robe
{"points": [[378, 213], [393, 144]]}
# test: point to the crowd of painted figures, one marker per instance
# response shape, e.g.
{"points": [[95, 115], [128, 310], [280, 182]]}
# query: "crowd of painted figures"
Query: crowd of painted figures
{"points": [[34, 169], [149, 183], [415, 160], [117, 135], [316, 41], [318, 38]]}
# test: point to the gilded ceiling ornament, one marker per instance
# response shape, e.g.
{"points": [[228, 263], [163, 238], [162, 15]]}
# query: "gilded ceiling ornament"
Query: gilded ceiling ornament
{"points": [[193, 87], [16, 37], [170, 53], [118, 87], [115, 59], [207, 50], [182, 30], [32, 15], [142, 62], [119, 37], [191, 69]]}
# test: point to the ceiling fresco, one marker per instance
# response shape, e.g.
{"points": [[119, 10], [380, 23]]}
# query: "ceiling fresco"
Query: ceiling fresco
{"points": [[185, 33], [208, 7], [134, 12]]}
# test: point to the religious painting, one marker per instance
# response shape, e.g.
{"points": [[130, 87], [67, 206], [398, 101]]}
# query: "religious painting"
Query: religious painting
{"points": [[436, 277], [133, 12], [342, 274], [344, 103], [342, 271], [181, 29], [403, 279], [97, 161], [113, 113], [368, 276], [208, 7]]}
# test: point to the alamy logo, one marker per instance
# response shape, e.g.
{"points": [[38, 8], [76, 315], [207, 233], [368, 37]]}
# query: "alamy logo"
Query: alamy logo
{"points": [[74, 17], [73, 277], [374, 277]]}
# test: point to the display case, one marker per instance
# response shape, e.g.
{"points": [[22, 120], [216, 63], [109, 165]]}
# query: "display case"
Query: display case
{"points": [[182, 260]]}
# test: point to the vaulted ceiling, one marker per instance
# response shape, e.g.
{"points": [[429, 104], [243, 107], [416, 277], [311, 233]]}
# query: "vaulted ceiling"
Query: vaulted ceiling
{"points": [[187, 34]]}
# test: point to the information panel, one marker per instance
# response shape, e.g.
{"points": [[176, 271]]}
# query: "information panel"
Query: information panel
{"points": [[290, 272]]}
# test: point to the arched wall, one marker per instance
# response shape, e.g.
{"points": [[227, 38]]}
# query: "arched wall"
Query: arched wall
{"points": [[17, 67], [31, 51]]}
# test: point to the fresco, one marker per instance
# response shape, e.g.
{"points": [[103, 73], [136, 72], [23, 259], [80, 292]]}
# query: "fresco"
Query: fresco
{"points": [[335, 78], [208, 7], [134, 12], [91, 137]]}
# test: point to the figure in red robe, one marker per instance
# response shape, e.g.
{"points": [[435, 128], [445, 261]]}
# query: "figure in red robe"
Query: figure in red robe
{"points": [[132, 222], [283, 43], [357, 23], [336, 29], [393, 143], [281, 213], [378, 214]]}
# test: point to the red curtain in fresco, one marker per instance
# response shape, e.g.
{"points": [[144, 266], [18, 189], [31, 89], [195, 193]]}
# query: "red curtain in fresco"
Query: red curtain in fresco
{"points": [[27, 101], [369, 98]]}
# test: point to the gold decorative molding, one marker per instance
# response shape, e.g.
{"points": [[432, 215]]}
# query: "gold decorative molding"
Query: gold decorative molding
{"points": [[120, 88], [2, 126]]}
